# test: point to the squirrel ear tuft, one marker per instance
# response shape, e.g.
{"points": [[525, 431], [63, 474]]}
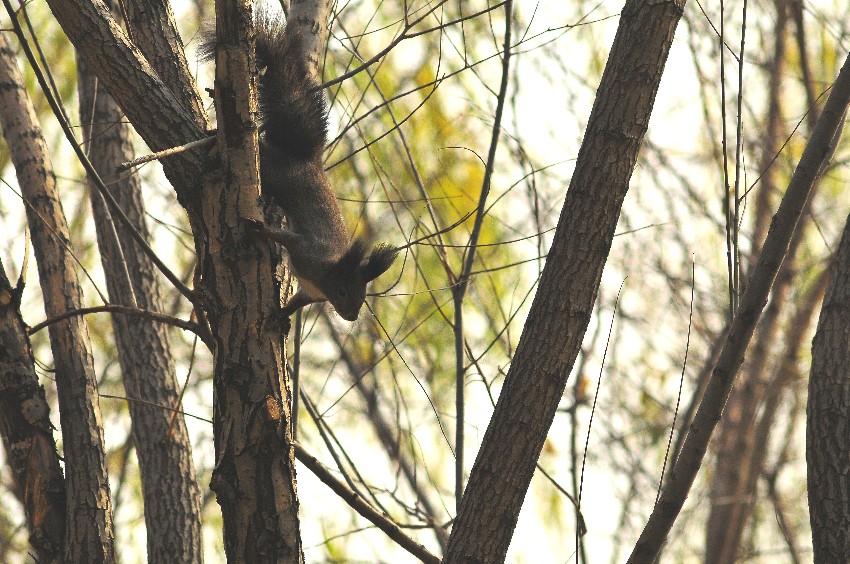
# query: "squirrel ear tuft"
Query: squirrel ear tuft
{"points": [[380, 260], [352, 258]]}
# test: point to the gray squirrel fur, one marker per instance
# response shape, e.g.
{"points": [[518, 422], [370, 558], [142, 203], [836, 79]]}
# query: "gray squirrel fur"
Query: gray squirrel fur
{"points": [[327, 263]]}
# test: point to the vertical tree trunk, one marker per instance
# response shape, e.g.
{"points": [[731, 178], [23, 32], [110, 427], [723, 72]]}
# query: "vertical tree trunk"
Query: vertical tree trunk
{"points": [[26, 430], [254, 476], [89, 534], [828, 417], [172, 498]]}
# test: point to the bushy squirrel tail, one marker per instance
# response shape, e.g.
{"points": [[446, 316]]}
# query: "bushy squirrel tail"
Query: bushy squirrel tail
{"points": [[293, 109]]}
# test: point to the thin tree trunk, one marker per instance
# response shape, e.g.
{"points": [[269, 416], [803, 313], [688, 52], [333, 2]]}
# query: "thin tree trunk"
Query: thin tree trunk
{"points": [[562, 307], [172, 498], [821, 144], [744, 440], [89, 533]]}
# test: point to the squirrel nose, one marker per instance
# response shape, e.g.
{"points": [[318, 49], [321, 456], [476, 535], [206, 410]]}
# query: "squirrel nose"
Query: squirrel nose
{"points": [[348, 316]]}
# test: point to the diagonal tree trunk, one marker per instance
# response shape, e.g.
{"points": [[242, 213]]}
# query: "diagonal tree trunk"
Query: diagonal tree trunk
{"points": [[821, 145], [561, 310]]}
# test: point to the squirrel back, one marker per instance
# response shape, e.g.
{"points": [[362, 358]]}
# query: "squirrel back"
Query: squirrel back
{"points": [[328, 264], [294, 117]]}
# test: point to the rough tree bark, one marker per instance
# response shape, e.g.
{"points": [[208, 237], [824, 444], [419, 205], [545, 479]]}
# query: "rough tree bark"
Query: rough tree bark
{"points": [[172, 498], [561, 310], [828, 416], [254, 475], [26, 429], [89, 530]]}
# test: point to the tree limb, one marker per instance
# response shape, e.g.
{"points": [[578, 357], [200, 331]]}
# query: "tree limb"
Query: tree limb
{"points": [[741, 331], [360, 505]]}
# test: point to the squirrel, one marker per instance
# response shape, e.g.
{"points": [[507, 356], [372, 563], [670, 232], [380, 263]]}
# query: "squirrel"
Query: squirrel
{"points": [[328, 264]]}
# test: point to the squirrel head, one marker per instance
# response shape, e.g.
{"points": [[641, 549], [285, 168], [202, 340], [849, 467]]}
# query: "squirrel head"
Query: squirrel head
{"points": [[345, 282]]}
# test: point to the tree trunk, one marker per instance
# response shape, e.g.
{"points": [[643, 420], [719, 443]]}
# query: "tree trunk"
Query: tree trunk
{"points": [[254, 476], [89, 534], [26, 430], [238, 290], [172, 498], [561, 310], [828, 417]]}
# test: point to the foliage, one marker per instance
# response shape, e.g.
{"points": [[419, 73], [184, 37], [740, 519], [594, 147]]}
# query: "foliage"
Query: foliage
{"points": [[410, 137]]}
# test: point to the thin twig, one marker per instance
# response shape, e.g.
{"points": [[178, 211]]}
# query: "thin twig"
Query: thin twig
{"points": [[598, 387], [466, 272], [159, 406], [123, 167], [681, 383], [114, 308]]}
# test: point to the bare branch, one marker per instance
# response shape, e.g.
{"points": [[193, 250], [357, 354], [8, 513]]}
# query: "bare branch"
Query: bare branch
{"points": [[360, 505], [114, 308]]}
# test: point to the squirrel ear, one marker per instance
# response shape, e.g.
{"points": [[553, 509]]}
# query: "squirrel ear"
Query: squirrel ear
{"points": [[350, 261], [380, 260]]}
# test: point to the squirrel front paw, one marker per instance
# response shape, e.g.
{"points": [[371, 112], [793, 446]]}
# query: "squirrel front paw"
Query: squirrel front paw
{"points": [[283, 323], [278, 323]]}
